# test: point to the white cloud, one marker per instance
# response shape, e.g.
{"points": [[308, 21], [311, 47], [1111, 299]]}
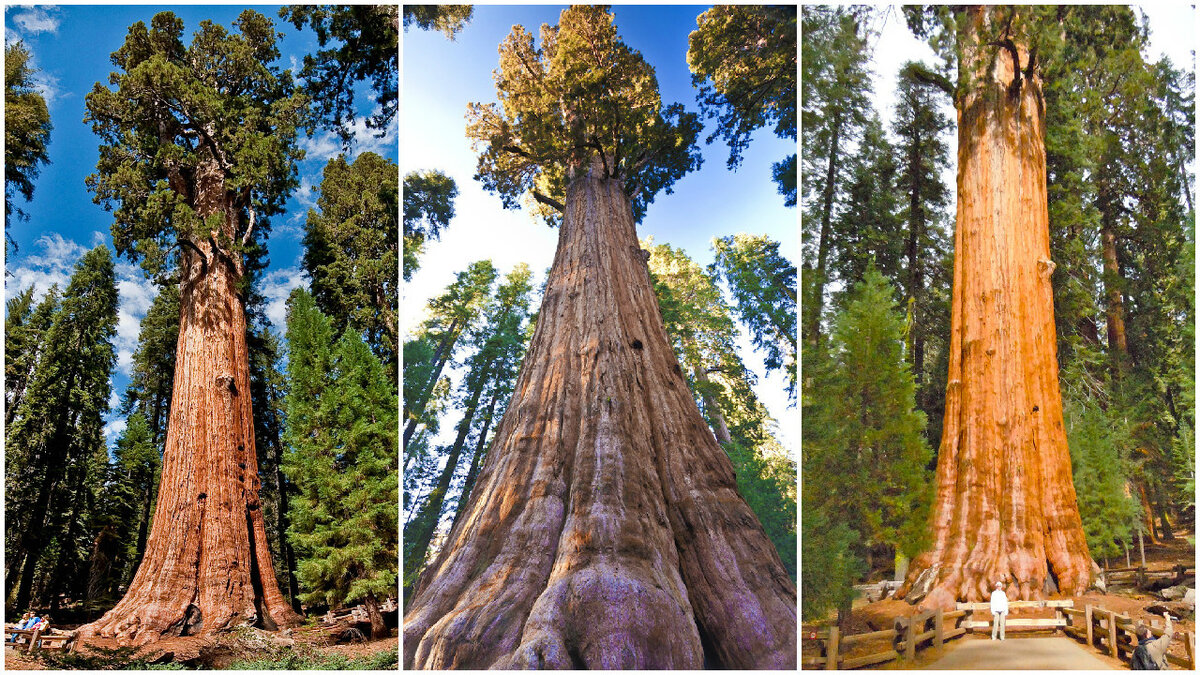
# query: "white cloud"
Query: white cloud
{"points": [[50, 262], [36, 19], [276, 286], [113, 431], [136, 293], [325, 145]]}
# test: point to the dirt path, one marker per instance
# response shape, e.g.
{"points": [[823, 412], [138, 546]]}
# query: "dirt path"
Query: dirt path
{"points": [[1032, 653]]}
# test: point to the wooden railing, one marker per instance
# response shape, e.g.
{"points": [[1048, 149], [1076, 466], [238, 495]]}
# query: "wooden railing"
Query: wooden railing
{"points": [[985, 610], [909, 634], [1141, 577], [1114, 634]]}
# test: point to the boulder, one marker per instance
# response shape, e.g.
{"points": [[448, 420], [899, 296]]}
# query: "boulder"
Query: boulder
{"points": [[1174, 592]]}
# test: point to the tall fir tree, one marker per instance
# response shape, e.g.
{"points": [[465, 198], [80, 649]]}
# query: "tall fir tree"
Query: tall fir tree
{"points": [[428, 209], [342, 458], [57, 431], [763, 283], [350, 251], [865, 454], [27, 130]]}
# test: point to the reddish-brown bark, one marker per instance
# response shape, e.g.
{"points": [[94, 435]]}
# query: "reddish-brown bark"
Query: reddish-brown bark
{"points": [[605, 529], [1005, 506], [207, 565]]}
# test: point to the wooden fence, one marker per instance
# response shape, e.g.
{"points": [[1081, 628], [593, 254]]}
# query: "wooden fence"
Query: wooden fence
{"points": [[1141, 577], [985, 609], [1114, 634], [909, 634]]}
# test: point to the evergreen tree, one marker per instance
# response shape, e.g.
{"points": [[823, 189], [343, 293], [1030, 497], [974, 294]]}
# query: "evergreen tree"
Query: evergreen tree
{"points": [[835, 81], [198, 150], [1099, 443], [700, 326], [27, 130], [367, 37], [449, 19], [503, 324], [350, 251], [748, 52], [57, 431], [343, 461], [24, 339], [763, 284], [865, 454], [830, 566], [451, 314], [428, 208], [870, 230]]}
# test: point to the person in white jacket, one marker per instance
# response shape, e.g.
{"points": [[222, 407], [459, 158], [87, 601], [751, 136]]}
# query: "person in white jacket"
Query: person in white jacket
{"points": [[999, 610]]}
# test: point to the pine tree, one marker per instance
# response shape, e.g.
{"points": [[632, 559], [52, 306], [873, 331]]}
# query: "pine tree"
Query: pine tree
{"points": [[835, 81], [428, 208], [700, 326], [865, 453], [198, 150], [367, 37], [1099, 443], [503, 321], [24, 340], [748, 52], [342, 460], [763, 283], [27, 130], [451, 314], [58, 428], [870, 230], [350, 251]]}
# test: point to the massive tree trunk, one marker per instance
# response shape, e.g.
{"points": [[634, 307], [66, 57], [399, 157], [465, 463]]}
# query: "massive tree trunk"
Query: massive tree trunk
{"points": [[605, 529], [430, 514], [207, 565], [1005, 506]]}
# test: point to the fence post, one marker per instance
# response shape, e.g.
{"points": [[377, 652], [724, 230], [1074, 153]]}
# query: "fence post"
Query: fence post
{"points": [[1112, 635], [1189, 645], [910, 650], [938, 630], [1087, 617], [832, 649]]}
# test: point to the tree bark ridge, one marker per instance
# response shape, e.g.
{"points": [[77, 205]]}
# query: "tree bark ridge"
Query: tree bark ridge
{"points": [[605, 529]]}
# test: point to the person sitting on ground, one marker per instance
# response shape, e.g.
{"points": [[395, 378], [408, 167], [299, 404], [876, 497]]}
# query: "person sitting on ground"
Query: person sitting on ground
{"points": [[999, 610], [1151, 653]]}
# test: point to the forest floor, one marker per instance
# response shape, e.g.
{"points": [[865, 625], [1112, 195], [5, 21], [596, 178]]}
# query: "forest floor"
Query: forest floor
{"points": [[304, 648], [866, 616]]}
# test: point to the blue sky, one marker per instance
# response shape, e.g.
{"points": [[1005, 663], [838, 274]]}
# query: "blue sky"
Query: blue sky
{"points": [[440, 77], [71, 47]]}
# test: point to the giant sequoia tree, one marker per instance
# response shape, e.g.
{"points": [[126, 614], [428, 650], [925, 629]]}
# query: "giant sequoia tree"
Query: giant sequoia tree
{"points": [[1005, 506], [605, 529], [198, 149]]}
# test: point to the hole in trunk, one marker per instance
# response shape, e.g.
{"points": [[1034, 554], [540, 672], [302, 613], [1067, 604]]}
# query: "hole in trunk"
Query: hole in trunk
{"points": [[711, 660], [1035, 408], [202, 495], [636, 344], [678, 371]]}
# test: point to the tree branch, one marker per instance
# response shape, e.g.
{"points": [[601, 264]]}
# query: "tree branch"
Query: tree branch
{"points": [[548, 201], [927, 76]]}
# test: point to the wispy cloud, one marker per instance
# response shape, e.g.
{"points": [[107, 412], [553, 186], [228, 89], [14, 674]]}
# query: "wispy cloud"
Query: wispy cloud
{"points": [[49, 262], [276, 286], [325, 145], [113, 431], [136, 295], [34, 19]]}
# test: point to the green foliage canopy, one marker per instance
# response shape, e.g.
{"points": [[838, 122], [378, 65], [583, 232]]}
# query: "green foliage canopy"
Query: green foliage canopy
{"points": [[368, 37], [748, 53], [27, 127], [583, 96], [174, 108]]}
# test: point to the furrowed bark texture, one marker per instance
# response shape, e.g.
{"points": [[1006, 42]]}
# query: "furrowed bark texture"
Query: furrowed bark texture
{"points": [[1005, 507], [207, 565], [605, 529]]}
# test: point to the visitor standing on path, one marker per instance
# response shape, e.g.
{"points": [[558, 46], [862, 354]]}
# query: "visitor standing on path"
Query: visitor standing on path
{"points": [[1151, 653], [999, 610]]}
